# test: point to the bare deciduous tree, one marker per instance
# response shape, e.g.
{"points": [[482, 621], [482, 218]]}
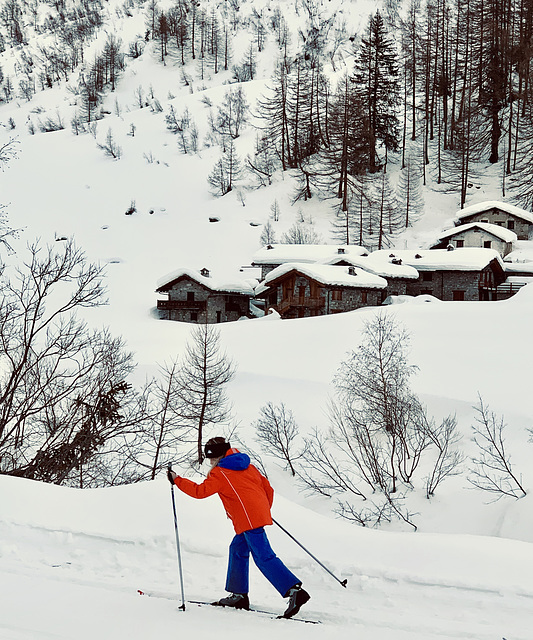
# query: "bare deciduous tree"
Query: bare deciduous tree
{"points": [[8, 151], [449, 459], [379, 431], [200, 396], [110, 147], [63, 389], [492, 470], [167, 435], [277, 433], [301, 233], [268, 235]]}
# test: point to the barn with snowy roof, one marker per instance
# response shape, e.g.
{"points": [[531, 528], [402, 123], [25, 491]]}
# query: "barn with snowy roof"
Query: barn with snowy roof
{"points": [[502, 214], [194, 296]]}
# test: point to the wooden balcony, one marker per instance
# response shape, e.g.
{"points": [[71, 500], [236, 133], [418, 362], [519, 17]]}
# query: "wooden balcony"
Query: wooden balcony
{"points": [[295, 302], [170, 305]]}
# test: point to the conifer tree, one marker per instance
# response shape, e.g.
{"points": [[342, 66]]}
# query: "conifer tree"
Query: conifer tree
{"points": [[384, 221], [409, 192], [377, 86]]}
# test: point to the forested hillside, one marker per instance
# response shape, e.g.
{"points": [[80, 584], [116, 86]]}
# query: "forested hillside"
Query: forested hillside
{"points": [[365, 107]]}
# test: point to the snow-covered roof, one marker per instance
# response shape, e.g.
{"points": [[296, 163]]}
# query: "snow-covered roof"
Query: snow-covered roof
{"points": [[500, 232], [464, 259], [522, 252], [165, 283], [518, 267], [489, 204], [519, 280], [326, 274], [281, 253], [379, 265]]}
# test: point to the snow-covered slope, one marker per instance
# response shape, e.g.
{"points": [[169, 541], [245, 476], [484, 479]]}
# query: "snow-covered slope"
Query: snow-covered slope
{"points": [[73, 562]]}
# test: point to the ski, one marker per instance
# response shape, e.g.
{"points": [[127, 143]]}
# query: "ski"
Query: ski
{"points": [[261, 612]]}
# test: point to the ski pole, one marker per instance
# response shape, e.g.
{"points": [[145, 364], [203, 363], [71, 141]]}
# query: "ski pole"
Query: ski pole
{"points": [[342, 582], [177, 544]]}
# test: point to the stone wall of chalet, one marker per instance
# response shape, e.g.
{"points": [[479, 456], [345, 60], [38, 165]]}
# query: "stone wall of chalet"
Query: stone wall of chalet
{"points": [[200, 305], [185, 286], [397, 286], [446, 285], [477, 238], [522, 228]]}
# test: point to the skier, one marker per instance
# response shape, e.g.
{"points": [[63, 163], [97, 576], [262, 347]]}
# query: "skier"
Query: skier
{"points": [[247, 497]]}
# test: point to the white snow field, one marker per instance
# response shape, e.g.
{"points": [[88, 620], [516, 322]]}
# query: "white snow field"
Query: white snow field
{"points": [[72, 562]]}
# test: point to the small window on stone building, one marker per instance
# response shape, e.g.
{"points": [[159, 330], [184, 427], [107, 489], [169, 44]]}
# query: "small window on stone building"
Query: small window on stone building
{"points": [[219, 316], [458, 295], [364, 297], [510, 224], [194, 316], [336, 294], [427, 276], [190, 296], [459, 244], [487, 244]]}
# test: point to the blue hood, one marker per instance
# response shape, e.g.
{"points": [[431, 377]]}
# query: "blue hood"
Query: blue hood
{"points": [[235, 462]]}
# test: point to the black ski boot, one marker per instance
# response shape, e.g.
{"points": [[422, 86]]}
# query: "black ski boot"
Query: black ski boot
{"points": [[235, 600], [297, 598]]}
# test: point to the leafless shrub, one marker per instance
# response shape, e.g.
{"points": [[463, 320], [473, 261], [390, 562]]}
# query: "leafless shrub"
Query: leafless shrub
{"points": [[384, 508], [492, 470], [277, 433], [8, 151], [51, 124], [326, 473], [449, 459], [110, 146], [379, 432], [301, 233]]}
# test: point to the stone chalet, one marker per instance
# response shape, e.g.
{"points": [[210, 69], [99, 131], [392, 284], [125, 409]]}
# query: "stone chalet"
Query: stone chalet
{"points": [[396, 274], [196, 297], [274, 255], [458, 274], [500, 213], [298, 290], [478, 235]]}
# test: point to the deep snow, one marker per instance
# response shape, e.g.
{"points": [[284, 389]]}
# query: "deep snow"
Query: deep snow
{"points": [[72, 561]]}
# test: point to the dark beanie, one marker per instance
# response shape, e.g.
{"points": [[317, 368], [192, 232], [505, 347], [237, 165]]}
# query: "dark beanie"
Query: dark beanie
{"points": [[216, 447]]}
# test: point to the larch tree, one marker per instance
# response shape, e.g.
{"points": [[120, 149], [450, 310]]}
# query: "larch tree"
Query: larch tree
{"points": [[200, 390]]}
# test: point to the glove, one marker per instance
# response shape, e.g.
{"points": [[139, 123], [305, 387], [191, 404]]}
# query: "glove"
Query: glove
{"points": [[170, 475]]}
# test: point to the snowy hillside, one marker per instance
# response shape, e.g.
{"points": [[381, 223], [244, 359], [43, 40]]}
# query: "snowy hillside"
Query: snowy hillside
{"points": [[72, 561]]}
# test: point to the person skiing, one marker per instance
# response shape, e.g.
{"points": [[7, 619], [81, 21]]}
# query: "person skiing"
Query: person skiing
{"points": [[247, 498]]}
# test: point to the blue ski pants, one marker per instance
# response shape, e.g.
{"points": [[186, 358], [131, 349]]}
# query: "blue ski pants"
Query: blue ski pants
{"points": [[256, 542]]}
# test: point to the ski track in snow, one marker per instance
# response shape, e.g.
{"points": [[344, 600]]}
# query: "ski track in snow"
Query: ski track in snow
{"points": [[384, 605]]}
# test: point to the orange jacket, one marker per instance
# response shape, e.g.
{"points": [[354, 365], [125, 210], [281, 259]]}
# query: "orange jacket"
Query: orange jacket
{"points": [[245, 493]]}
